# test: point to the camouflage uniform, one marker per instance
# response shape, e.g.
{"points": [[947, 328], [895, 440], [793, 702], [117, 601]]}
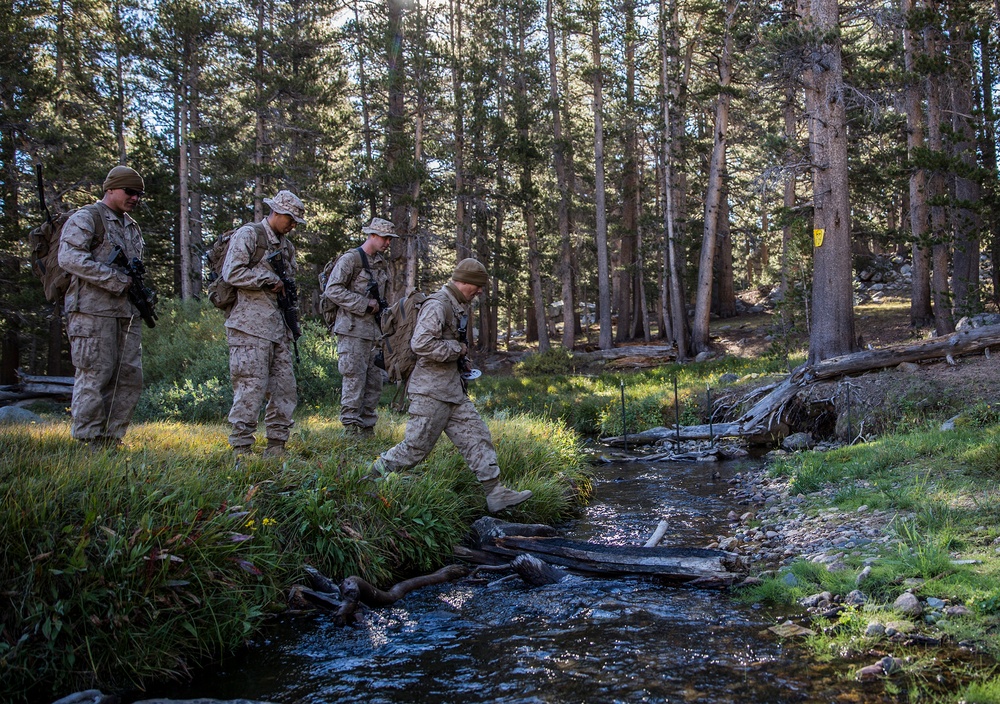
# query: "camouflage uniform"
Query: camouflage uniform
{"points": [[357, 333], [104, 328], [437, 400], [260, 356]]}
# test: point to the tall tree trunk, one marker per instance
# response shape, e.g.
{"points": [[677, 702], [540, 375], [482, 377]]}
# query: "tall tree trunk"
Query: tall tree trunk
{"points": [[713, 196], [920, 297], [988, 147], [260, 106], [184, 213], [194, 173], [396, 152], [789, 113], [725, 290], [527, 194], [627, 250], [832, 332], [119, 86], [366, 129], [966, 222], [565, 269], [943, 321], [463, 243], [678, 314], [604, 293]]}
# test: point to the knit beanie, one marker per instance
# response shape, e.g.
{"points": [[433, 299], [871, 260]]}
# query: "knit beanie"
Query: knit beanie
{"points": [[471, 271], [124, 177]]}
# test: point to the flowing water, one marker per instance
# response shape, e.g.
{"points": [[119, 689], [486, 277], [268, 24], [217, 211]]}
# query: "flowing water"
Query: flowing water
{"points": [[582, 640]]}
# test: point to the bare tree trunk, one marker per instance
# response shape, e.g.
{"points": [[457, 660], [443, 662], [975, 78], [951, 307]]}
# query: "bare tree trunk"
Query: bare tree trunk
{"points": [[196, 236], [791, 137], [260, 107], [726, 294], [678, 314], [366, 130], [832, 332], [604, 294], [988, 147], [396, 152], [119, 88], [943, 321], [559, 159], [920, 298], [463, 246], [627, 292], [966, 221], [713, 196], [184, 212]]}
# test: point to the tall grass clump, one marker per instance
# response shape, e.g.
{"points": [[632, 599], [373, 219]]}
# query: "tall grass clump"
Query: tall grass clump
{"points": [[118, 569], [185, 362]]}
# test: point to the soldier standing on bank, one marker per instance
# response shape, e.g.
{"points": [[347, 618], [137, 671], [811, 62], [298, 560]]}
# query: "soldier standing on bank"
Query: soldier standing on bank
{"points": [[438, 402], [356, 284], [104, 328], [260, 342]]}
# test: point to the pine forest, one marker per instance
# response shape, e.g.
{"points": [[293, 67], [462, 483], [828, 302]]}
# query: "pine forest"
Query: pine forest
{"points": [[622, 168]]}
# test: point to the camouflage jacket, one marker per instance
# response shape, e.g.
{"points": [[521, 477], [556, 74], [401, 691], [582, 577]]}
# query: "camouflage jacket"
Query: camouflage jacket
{"points": [[435, 341], [96, 287], [256, 311], [347, 286]]}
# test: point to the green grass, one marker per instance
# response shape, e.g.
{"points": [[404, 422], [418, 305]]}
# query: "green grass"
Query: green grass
{"points": [[121, 568], [592, 404], [942, 486]]}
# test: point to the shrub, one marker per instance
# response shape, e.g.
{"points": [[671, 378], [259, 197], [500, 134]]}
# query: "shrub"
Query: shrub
{"points": [[555, 360]]}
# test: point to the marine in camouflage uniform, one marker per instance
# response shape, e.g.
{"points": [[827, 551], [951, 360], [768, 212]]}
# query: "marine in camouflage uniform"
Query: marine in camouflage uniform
{"points": [[104, 328], [438, 402], [356, 326], [260, 343]]}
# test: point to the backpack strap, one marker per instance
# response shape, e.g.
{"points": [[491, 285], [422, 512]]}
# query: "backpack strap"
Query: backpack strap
{"points": [[99, 227], [366, 265], [261, 250]]}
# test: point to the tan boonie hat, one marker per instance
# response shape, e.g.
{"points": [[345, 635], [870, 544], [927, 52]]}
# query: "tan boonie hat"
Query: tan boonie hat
{"points": [[471, 271], [124, 177], [287, 203], [380, 227]]}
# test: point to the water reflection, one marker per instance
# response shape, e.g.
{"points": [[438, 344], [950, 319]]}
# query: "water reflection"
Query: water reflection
{"points": [[583, 640]]}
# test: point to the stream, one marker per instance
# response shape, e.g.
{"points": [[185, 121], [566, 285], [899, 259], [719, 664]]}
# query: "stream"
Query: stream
{"points": [[582, 640]]}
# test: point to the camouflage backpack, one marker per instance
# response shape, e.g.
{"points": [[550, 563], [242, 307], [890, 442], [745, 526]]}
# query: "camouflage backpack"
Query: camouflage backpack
{"points": [[44, 242], [220, 292], [398, 323]]}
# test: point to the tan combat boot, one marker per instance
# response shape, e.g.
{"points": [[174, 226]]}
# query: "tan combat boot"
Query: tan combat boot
{"points": [[499, 497], [275, 448]]}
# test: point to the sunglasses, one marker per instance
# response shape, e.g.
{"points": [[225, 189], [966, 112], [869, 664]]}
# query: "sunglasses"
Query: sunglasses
{"points": [[133, 192]]}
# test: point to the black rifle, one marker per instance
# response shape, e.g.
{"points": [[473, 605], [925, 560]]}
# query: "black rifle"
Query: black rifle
{"points": [[288, 301], [142, 297], [41, 193], [463, 337]]}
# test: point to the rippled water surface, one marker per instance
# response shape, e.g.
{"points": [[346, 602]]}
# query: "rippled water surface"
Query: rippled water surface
{"points": [[582, 640]]}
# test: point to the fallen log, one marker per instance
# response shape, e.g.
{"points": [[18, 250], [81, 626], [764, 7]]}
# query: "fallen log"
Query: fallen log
{"points": [[968, 341], [664, 352], [673, 564], [356, 591], [26, 378], [536, 572]]}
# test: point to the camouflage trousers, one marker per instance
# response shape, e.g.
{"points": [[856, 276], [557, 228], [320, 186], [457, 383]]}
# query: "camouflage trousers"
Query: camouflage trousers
{"points": [[459, 421], [261, 371], [107, 355], [362, 381]]}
